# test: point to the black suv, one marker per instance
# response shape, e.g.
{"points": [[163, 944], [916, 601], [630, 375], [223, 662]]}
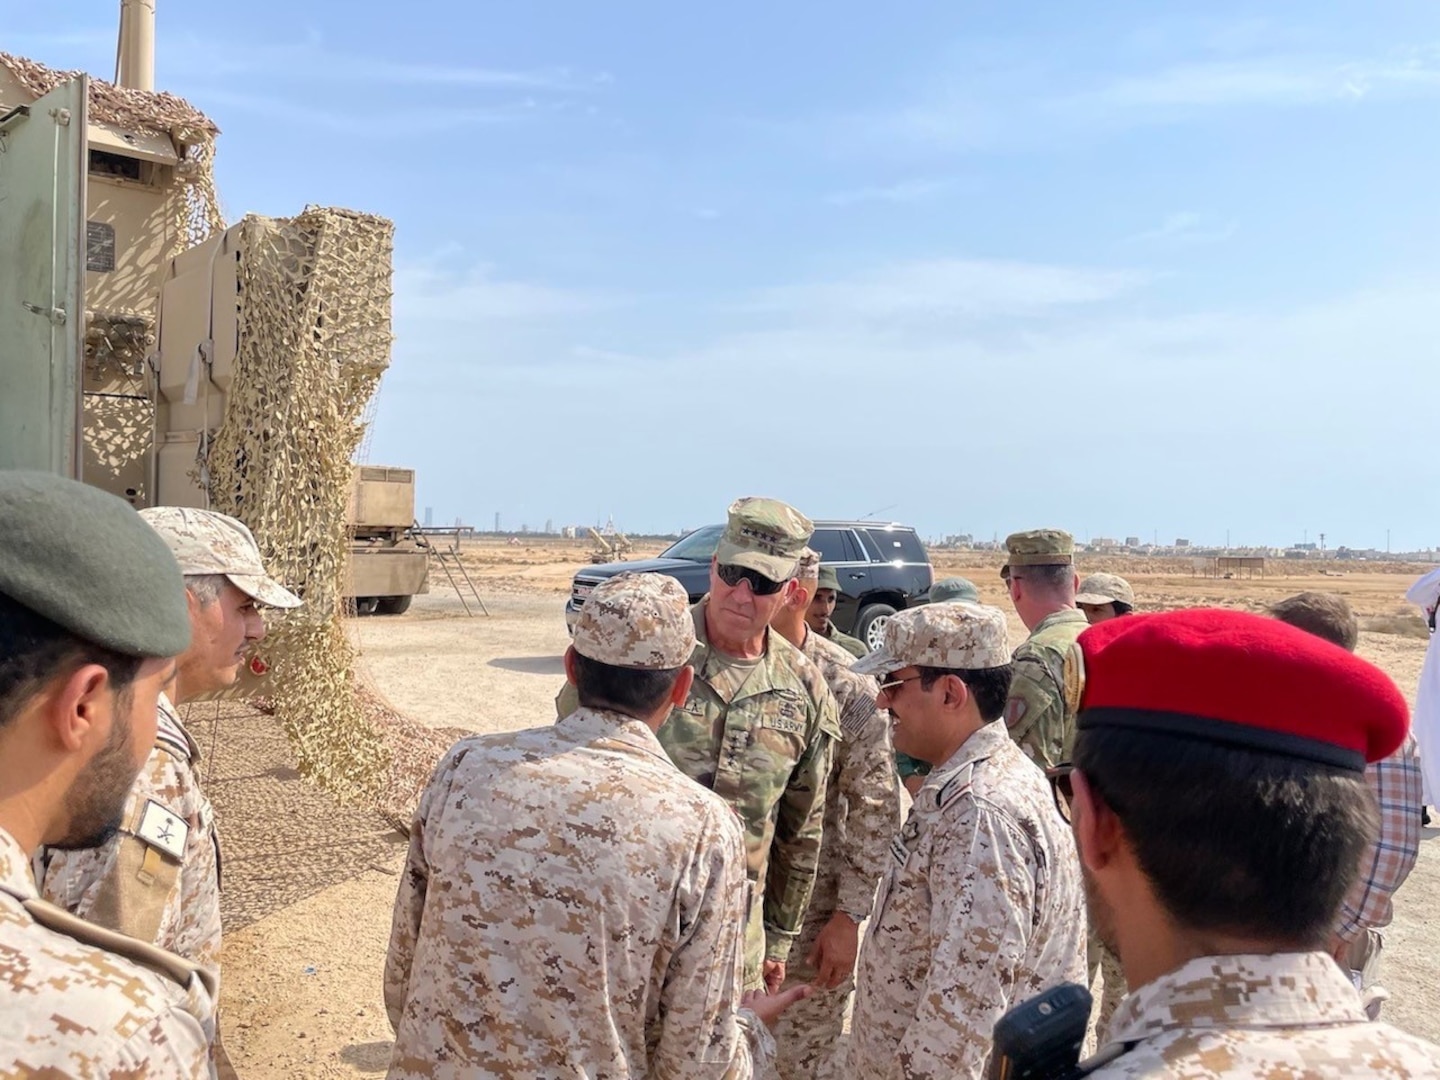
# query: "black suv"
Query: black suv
{"points": [[882, 569]]}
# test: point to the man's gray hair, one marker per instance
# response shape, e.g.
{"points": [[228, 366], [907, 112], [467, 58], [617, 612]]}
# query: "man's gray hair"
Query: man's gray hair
{"points": [[206, 588]]}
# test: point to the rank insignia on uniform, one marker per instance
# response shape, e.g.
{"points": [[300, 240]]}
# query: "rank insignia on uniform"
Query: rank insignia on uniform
{"points": [[163, 830], [1074, 677]]}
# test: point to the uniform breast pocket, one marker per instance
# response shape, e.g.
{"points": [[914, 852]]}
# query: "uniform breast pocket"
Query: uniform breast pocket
{"points": [[778, 723]]}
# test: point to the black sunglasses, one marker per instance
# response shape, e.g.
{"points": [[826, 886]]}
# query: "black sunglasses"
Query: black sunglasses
{"points": [[1061, 787], [760, 585]]}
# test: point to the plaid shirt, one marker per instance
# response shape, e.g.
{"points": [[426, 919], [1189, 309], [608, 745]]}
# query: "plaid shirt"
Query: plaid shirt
{"points": [[1386, 864]]}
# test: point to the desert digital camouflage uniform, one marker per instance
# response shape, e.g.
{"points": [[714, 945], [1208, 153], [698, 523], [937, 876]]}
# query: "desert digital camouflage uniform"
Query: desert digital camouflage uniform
{"points": [[154, 883], [81, 1001], [1035, 712], [981, 909], [759, 734], [571, 905], [1278, 1016], [862, 813], [981, 905]]}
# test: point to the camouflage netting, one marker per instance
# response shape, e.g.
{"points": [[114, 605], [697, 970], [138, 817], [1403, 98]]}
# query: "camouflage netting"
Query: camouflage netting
{"points": [[195, 208], [314, 339]]}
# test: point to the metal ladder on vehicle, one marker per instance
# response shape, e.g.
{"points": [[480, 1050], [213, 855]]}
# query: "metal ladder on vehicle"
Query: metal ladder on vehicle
{"points": [[449, 560]]}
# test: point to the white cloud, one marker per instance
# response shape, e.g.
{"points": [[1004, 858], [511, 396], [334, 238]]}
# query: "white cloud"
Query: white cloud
{"points": [[972, 289], [1188, 228], [308, 60], [905, 191], [1027, 105], [427, 295]]}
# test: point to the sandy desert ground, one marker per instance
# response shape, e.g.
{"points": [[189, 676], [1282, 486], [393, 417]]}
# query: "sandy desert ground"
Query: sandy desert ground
{"points": [[309, 884]]}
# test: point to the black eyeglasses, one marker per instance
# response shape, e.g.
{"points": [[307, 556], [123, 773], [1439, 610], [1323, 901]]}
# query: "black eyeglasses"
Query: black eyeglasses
{"points": [[1061, 787], [893, 686], [760, 585]]}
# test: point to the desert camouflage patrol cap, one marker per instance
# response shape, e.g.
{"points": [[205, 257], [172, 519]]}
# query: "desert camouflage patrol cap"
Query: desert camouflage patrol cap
{"points": [[637, 621], [208, 542], [764, 535], [1038, 547], [953, 635], [950, 589], [1105, 589], [808, 568], [84, 560], [828, 579]]}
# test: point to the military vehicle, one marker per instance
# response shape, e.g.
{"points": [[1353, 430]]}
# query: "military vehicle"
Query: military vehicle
{"points": [[387, 566], [126, 302]]}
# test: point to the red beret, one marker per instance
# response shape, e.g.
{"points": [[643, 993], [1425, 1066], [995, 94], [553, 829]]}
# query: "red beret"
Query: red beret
{"points": [[1242, 680]]}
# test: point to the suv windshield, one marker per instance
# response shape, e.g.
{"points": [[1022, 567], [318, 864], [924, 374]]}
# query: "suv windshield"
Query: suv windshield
{"points": [[697, 547]]}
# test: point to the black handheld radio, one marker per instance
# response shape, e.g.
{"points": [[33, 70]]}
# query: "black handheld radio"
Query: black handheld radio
{"points": [[1040, 1039]]}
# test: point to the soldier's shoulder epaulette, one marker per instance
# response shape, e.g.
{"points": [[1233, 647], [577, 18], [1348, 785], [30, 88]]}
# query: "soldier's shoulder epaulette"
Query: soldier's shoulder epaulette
{"points": [[171, 737], [151, 957], [956, 786]]}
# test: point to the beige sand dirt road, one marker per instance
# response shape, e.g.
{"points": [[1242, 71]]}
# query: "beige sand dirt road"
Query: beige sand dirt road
{"points": [[308, 884]]}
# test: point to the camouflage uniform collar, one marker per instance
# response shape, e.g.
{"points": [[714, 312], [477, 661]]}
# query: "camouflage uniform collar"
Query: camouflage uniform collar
{"points": [[702, 638], [1059, 618], [590, 725], [982, 744], [774, 669], [1283, 990], [170, 732], [15, 877]]}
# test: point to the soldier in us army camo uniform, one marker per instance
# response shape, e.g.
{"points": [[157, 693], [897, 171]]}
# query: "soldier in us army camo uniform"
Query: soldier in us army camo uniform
{"points": [[981, 905], [758, 725], [1220, 823], [1040, 572], [91, 610], [862, 813], [571, 904], [158, 877]]}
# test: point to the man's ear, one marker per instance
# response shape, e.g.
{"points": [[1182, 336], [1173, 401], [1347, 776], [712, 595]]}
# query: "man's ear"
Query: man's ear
{"points": [[74, 705], [1099, 836], [681, 690], [956, 692], [570, 666], [800, 595]]}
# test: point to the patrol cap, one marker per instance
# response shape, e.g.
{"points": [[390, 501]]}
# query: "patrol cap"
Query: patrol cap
{"points": [[808, 568], [1240, 680], [947, 590], [953, 635], [828, 579], [208, 542], [1038, 547], [1105, 589], [640, 621], [83, 559], [764, 535]]}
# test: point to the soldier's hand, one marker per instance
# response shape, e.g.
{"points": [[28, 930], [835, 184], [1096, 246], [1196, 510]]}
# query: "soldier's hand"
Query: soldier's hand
{"points": [[774, 973], [768, 1007], [836, 946]]}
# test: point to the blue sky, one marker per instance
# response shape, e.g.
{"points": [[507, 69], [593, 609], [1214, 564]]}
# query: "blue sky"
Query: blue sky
{"points": [[990, 266]]}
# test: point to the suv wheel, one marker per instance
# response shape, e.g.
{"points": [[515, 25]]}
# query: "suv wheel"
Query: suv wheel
{"points": [[870, 626]]}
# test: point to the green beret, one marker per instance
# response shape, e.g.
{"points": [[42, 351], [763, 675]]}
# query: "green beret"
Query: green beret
{"points": [[87, 561], [828, 579]]}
